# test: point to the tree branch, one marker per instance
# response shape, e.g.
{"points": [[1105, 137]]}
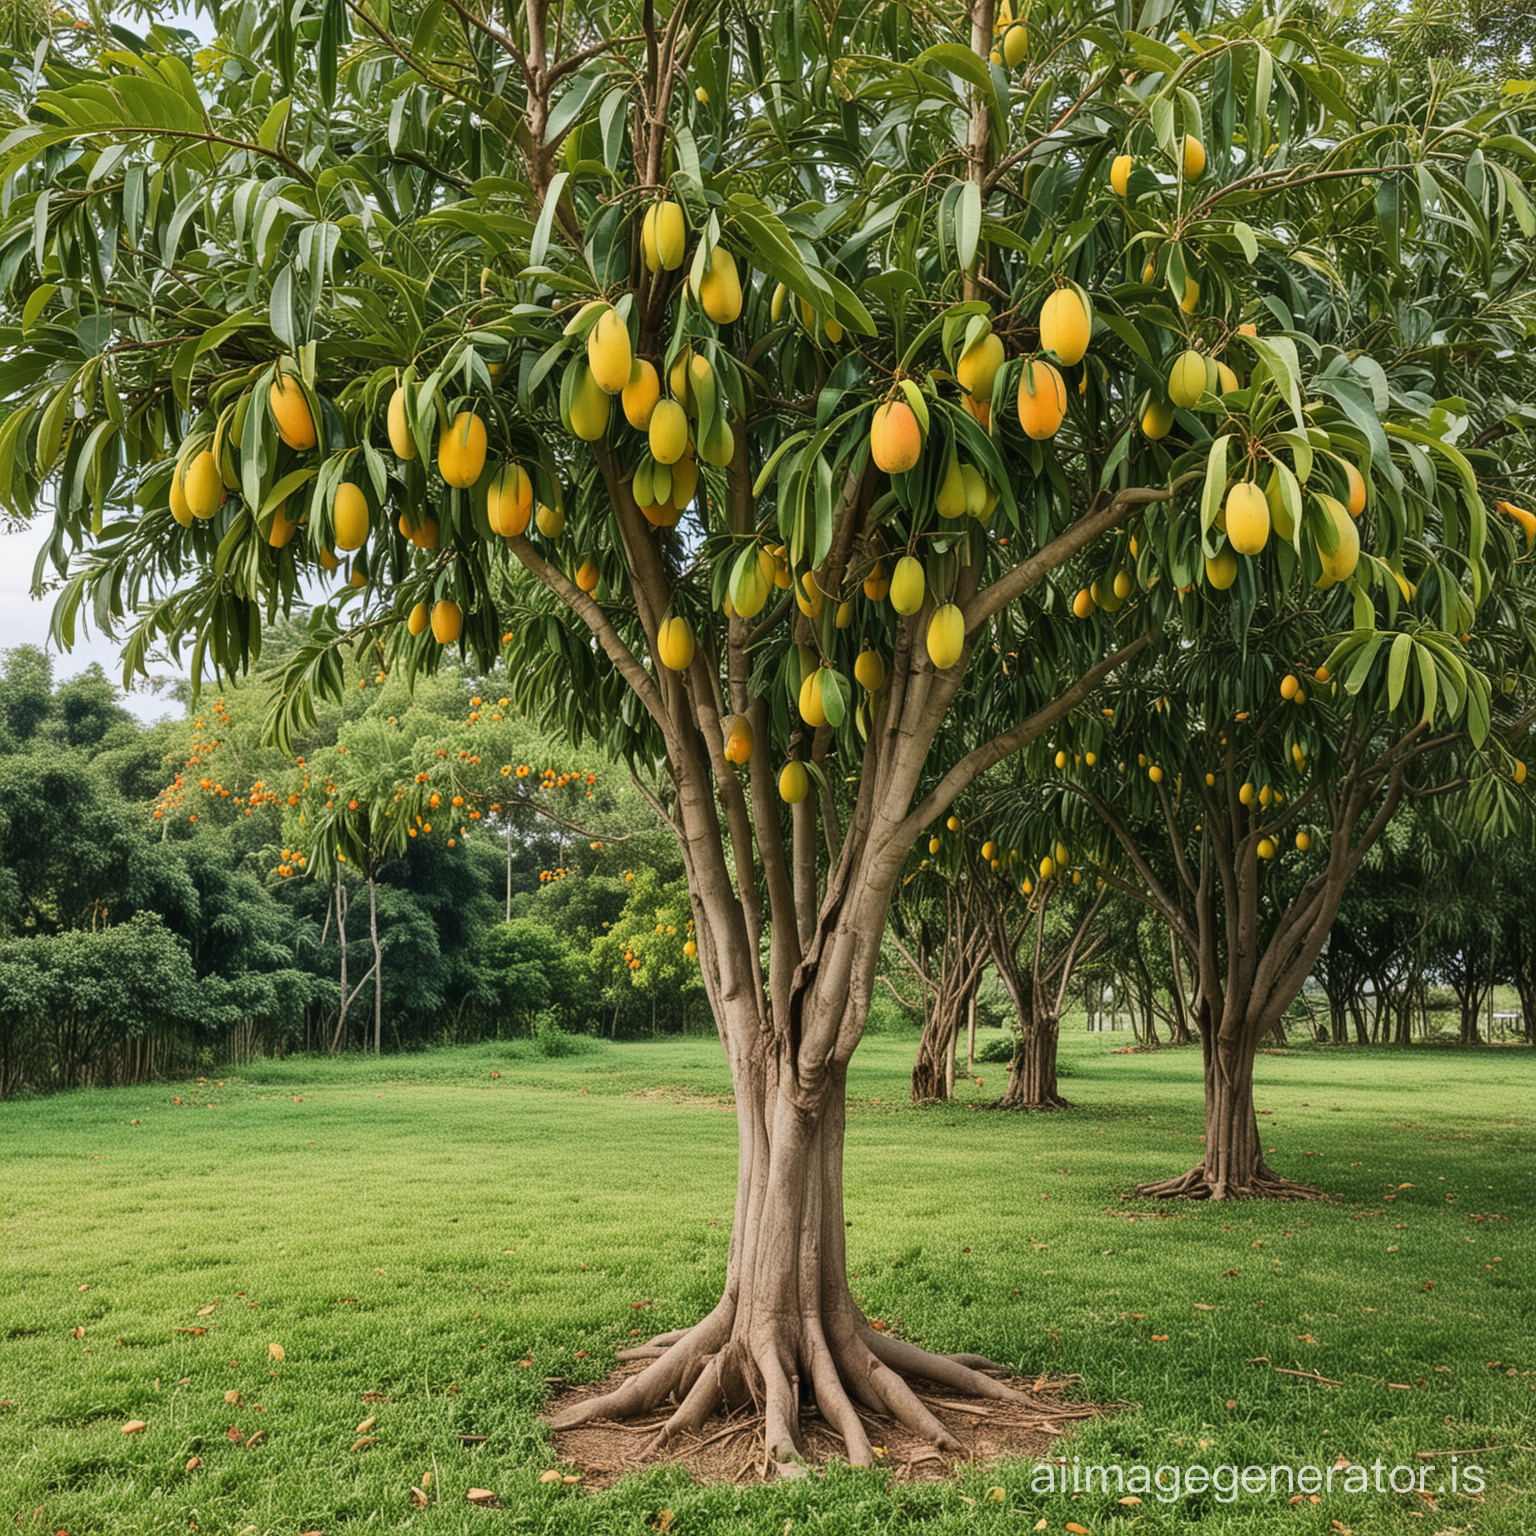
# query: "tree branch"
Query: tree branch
{"points": [[1083, 532], [976, 762]]}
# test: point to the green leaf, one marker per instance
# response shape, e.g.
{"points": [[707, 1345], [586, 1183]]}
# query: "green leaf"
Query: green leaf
{"points": [[1215, 483], [835, 694], [1430, 679], [1397, 669], [540, 242], [968, 224]]}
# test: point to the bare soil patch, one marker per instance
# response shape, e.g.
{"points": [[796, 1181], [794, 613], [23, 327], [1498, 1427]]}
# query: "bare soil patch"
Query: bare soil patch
{"points": [[732, 1449]]}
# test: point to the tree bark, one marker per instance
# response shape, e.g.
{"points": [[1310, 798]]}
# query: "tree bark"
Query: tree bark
{"points": [[339, 1039], [1233, 1167], [933, 1073], [787, 1327], [378, 966], [1032, 1073]]}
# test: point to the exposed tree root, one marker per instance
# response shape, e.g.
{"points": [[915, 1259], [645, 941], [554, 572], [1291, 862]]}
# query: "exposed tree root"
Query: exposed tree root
{"points": [[1198, 1184], [1008, 1102], [851, 1372], [867, 1402]]}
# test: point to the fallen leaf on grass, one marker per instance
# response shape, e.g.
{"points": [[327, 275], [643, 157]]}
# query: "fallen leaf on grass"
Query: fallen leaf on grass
{"points": [[195, 1332], [996, 1495], [1076, 1529], [1130, 1498], [367, 1424], [418, 1498], [204, 1311], [260, 1434], [275, 1350], [662, 1521], [234, 1433], [77, 1333], [1339, 1525], [551, 1476], [365, 1442], [1159, 1338], [232, 1396], [133, 1426], [481, 1496]]}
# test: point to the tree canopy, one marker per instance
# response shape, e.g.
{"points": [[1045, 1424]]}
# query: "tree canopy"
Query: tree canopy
{"points": [[753, 387]]}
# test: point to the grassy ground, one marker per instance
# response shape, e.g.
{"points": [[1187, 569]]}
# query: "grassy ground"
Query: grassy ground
{"points": [[425, 1230]]}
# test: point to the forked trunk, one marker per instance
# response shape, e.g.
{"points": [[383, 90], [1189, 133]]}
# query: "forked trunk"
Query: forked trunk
{"points": [[933, 1073], [1233, 1167], [787, 1329], [1032, 1076]]}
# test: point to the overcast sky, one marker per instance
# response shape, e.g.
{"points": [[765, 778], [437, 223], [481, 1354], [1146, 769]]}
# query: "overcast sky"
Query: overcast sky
{"points": [[25, 622]]}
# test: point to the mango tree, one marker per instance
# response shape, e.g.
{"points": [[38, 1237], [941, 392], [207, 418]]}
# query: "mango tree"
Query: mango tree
{"points": [[938, 927], [743, 382]]}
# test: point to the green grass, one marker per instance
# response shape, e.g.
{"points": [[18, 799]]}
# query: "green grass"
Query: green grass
{"points": [[419, 1229]]}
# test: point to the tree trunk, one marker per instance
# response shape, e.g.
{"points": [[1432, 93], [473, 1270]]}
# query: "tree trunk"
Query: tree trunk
{"points": [[339, 1039], [1032, 1074], [1470, 1035], [787, 1328], [970, 1038], [1525, 986], [933, 1073], [1233, 1167], [1357, 1013], [378, 967]]}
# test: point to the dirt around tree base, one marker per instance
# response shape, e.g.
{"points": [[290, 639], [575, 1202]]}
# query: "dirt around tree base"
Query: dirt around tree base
{"points": [[1264, 1184], [732, 1449]]}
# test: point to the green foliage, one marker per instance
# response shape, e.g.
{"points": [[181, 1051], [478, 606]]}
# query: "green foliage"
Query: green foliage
{"points": [[68, 999]]}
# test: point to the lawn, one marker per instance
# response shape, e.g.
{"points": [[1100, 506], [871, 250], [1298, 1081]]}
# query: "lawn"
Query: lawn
{"points": [[426, 1242]]}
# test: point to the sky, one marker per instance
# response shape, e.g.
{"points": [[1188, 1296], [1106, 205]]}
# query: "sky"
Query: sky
{"points": [[24, 621]]}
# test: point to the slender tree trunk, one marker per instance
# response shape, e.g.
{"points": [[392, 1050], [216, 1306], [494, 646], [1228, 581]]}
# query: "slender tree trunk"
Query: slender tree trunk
{"points": [[933, 1073], [1525, 986], [970, 1038], [378, 967], [1357, 1013], [339, 1039], [1233, 1166]]}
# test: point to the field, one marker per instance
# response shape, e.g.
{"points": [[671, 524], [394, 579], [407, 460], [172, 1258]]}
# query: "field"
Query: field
{"points": [[426, 1242]]}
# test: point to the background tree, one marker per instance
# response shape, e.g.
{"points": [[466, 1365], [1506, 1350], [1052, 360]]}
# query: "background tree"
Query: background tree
{"points": [[313, 292], [1038, 940], [938, 926]]}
